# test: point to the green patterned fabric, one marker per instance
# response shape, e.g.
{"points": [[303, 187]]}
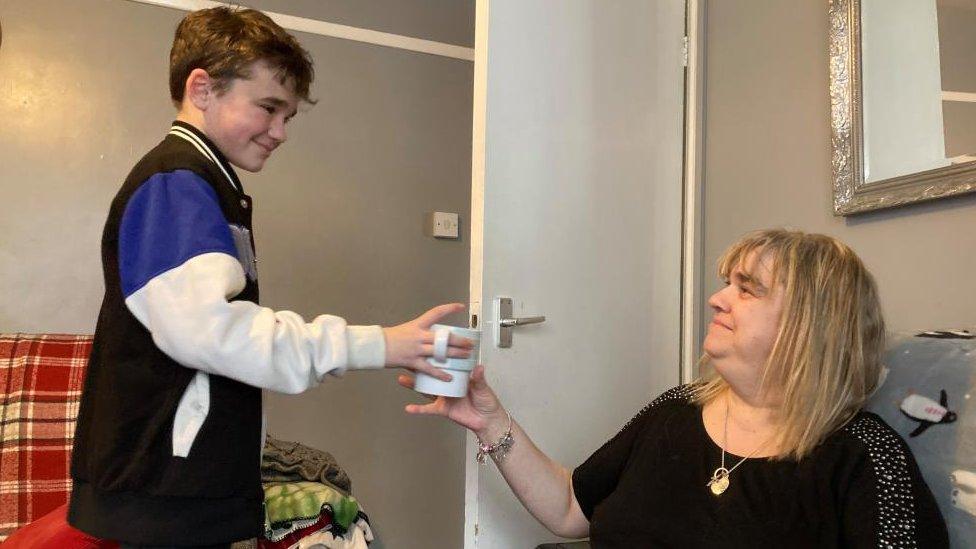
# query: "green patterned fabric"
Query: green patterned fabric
{"points": [[286, 502]]}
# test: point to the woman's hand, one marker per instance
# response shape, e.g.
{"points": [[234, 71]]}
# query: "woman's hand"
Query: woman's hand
{"points": [[479, 410], [409, 344], [543, 486]]}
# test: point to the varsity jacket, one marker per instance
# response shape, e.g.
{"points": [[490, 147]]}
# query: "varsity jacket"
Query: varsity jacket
{"points": [[167, 449]]}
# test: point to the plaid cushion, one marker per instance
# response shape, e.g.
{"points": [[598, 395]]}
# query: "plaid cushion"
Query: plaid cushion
{"points": [[40, 388]]}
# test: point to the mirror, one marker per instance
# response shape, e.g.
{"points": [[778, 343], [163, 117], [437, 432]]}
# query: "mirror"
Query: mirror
{"points": [[903, 101]]}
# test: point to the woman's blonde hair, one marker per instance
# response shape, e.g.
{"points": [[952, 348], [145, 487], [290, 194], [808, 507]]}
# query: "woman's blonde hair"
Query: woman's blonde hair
{"points": [[826, 358]]}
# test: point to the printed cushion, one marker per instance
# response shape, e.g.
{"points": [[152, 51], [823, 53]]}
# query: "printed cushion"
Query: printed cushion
{"points": [[919, 369], [40, 387]]}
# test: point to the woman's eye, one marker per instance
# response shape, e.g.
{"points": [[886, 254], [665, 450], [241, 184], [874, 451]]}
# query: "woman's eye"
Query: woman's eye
{"points": [[268, 108]]}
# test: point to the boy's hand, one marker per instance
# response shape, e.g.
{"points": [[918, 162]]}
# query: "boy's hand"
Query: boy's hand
{"points": [[410, 343]]}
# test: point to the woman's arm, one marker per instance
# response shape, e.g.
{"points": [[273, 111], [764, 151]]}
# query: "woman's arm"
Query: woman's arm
{"points": [[543, 486]]}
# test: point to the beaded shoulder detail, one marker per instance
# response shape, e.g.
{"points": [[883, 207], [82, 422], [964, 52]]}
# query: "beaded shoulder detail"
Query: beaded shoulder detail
{"points": [[896, 507], [681, 392]]}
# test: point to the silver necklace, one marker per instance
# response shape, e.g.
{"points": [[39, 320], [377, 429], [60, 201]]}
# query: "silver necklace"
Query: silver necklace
{"points": [[720, 478]]}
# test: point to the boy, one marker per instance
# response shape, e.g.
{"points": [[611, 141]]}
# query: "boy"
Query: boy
{"points": [[169, 434]]}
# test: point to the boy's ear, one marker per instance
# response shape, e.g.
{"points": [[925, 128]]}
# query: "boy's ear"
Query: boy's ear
{"points": [[199, 89]]}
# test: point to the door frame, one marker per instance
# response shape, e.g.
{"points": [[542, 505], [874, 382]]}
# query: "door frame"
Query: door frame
{"points": [[691, 223], [479, 105]]}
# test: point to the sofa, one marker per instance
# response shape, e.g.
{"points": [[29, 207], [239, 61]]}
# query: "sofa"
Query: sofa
{"points": [[40, 387], [41, 378]]}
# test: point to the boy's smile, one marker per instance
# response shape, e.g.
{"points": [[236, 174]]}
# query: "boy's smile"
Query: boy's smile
{"points": [[247, 121]]}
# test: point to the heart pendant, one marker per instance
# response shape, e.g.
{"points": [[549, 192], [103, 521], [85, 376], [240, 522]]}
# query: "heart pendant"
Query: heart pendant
{"points": [[720, 481], [719, 485]]}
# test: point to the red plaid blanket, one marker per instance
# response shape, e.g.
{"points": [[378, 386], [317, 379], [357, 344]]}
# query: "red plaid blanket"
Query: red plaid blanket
{"points": [[40, 379]]}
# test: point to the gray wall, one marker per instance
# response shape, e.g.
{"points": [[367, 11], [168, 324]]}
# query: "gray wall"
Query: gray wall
{"points": [[339, 210], [450, 21], [767, 163]]}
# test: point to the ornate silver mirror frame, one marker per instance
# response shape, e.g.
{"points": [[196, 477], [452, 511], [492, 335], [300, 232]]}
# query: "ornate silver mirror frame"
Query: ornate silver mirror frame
{"points": [[851, 193]]}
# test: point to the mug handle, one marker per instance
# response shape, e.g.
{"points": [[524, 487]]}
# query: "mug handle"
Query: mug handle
{"points": [[441, 336]]}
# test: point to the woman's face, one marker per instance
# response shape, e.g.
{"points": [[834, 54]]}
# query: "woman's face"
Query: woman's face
{"points": [[746, 318]]}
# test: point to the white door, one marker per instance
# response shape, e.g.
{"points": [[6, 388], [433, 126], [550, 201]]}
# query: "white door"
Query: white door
{"points": [[577, 201]]}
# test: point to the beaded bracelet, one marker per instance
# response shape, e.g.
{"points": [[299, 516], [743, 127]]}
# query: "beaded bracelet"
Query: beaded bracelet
{"points": [[497, 450]]}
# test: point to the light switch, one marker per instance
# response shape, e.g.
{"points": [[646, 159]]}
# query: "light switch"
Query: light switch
{"points": [[442, 224]]}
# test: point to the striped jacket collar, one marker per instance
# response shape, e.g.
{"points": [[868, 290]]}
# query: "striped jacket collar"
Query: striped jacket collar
{"points": [[206, 147]]}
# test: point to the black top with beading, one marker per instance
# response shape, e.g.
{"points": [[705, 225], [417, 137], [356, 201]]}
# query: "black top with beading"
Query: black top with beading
{"points": [[646, 487]]}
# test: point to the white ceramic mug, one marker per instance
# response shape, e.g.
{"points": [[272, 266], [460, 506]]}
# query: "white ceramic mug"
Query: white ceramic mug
{"points": [[459, 368]]}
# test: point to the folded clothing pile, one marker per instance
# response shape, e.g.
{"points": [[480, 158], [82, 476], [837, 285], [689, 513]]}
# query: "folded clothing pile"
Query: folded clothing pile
{"points": [[308, 501]]}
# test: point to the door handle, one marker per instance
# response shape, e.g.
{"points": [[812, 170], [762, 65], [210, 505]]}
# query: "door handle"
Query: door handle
{"points": [[505, 322], [508, 322]]}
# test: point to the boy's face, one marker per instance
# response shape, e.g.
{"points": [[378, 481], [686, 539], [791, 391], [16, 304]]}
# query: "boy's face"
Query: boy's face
{"points": [[247, 122]]}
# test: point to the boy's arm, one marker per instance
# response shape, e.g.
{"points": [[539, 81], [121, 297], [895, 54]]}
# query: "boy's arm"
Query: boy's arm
{"points": [[179, 267]]}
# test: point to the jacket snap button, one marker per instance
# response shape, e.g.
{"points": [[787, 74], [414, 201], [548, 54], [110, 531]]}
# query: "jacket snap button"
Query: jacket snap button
{"points": [[243, 203]]}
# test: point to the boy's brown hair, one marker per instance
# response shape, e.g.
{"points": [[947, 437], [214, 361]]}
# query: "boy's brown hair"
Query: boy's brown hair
{"points": [[225, 42]]}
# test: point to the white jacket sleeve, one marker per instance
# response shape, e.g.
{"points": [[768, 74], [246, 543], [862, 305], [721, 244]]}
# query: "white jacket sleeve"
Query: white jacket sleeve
{"points": [[178, 284]]}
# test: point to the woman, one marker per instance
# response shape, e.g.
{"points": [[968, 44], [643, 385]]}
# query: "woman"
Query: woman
{"points": [[769, 449]]}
